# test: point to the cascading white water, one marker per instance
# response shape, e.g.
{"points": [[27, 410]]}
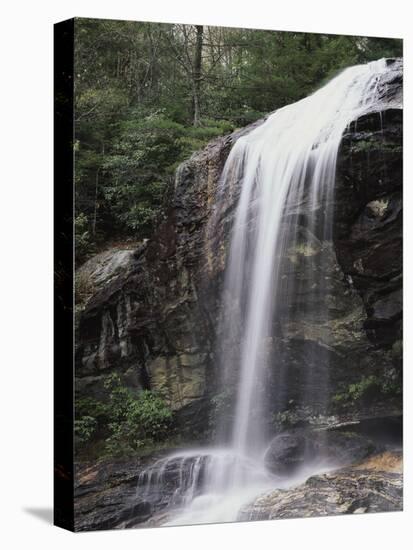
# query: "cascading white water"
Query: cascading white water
{"points": [[288, 161]]}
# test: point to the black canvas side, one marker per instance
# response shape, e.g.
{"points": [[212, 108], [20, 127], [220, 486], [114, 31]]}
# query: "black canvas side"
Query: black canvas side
{"points": [[63, 275]]}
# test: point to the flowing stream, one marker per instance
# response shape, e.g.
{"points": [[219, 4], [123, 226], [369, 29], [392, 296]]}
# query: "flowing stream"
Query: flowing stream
{"points": [[288, 161]]}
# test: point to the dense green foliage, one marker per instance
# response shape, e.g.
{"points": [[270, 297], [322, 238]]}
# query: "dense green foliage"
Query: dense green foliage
{"points": [[126, 421], [147, 95], [370, 387]]}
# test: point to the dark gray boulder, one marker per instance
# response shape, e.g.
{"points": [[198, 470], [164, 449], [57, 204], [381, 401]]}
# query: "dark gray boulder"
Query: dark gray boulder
{"points": [[288, 452]]}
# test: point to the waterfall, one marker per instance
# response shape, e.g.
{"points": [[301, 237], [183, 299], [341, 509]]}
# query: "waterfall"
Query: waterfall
{"points": [[288, 161], [285, 166]]}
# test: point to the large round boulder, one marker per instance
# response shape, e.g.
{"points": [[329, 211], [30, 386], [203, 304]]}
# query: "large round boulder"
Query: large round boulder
{"points": [[289, 451]]}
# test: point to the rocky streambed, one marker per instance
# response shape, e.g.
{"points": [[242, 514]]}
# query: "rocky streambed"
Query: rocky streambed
{"points": [[355, 473], [107, 496]]}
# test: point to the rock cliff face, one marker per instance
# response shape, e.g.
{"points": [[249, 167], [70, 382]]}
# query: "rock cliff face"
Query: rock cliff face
{"points": [[151, 313]]}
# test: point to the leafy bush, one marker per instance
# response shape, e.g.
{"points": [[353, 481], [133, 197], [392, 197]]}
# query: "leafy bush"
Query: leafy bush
{"points": [[135, 421], [127, 421], [137, 171], [89, 406], [144, 421], [143, 161], [85, 427], [83, 240], [356, 391], [369, 387]]}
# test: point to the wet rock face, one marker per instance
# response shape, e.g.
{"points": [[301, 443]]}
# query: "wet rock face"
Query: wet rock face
{"points": [[128, 493], [373, 486], [342, 333], [154, 312], [368, 236], [105, 496]]}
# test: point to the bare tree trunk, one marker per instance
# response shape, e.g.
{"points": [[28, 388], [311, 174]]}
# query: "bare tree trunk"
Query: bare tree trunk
{"points": [[197, 75], [95, 209]]}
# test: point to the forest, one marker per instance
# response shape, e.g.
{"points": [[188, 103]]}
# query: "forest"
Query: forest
{"points": [[149, 95]]}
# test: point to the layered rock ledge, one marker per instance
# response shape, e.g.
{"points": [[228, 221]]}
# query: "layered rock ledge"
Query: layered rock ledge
{"points": [[375, 485]]}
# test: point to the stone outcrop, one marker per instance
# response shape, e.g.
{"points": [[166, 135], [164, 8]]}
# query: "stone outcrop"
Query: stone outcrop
{"points": [[114, 494], [373, 486], [106, 495], [152, 313]]}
